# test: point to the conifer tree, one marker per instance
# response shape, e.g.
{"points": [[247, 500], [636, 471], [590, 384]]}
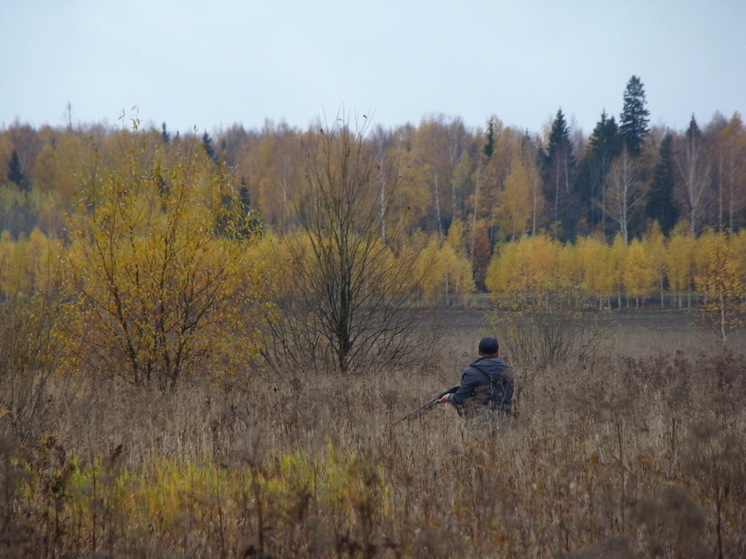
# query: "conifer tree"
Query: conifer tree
{"points": [[165, 134], [661, 206], [207, 144], [633, 123], [15, 174], [603, 146], [490, 145], [559, 178]]}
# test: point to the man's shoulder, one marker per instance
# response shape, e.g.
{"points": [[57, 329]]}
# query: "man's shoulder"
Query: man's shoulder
{"points": [[494, 365], [491, 362]]}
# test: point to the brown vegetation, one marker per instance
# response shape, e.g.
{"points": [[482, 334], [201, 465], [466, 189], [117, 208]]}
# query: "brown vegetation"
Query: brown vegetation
{"points": [[137, 417], [636, 451]]}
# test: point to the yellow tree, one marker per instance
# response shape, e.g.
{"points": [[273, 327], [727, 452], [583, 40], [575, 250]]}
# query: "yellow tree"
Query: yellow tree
{"points": [[615, 266], [158, 268], [720, 277], [638, 273], [679, 262], [738, 240], [514, 202], [529, 265], [58, 165], [542, 316], [29, 264], [502, 276], [443, 271], [437, 144], [570, 266], [655, 244], [593, 256], [457, 236], [408, 197], [267, 167]]}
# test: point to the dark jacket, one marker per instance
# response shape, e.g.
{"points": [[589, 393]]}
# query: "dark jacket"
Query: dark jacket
{"points": [[486, 384]]}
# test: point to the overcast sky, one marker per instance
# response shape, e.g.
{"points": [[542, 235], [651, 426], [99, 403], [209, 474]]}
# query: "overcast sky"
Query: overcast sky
{"points": [[210, 64]]}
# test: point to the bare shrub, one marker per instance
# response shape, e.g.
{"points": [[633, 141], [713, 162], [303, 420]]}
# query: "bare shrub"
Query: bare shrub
{"points": [[548, 328]]}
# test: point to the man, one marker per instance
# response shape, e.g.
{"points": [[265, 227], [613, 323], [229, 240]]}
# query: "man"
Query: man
{"points": [[486, 388]]}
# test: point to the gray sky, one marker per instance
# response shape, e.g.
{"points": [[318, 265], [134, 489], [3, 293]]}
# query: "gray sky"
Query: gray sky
{"points": [[214, 63]]}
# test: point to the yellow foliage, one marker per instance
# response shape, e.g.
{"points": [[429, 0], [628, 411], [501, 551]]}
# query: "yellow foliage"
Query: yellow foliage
{"points": [[30, 264], [679, 260], [158, 269], [457, 236], [719, 274], [528, 265], [168, 492], [514, 201], [638, 272], [593, 257], [655, 244], [443, 270]]}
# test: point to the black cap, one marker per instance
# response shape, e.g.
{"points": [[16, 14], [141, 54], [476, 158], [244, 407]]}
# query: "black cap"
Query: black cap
{"points": [[488, 345]]}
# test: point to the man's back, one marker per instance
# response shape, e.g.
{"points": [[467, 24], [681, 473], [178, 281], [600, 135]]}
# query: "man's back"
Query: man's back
{"points": [[486, 383]]}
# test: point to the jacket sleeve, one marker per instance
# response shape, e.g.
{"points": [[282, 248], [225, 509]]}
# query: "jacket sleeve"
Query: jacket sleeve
{"points": [[469, 382]]}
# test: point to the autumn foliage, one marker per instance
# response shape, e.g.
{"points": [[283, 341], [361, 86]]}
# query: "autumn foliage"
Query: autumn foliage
{"points": [[204, 341]]}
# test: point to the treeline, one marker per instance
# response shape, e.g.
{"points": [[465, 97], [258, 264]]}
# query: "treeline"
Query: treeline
{"points": [[479, 188]]}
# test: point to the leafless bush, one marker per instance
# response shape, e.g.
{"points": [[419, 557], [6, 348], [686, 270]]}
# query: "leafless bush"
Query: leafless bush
{"points": [[549, 328]]}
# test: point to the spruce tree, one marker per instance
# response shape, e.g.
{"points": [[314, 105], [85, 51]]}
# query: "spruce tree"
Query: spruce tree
{"points": [[207, 144], [15, 174], [661, 206], [490, 145], [165, 134], [604, 145], [633, 124], [559, 179]]}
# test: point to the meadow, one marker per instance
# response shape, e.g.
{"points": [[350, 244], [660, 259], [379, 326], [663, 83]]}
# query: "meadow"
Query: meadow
{"points": [[636, 450]]}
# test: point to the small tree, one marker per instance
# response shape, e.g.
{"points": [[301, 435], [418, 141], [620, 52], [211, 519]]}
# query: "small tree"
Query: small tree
{"points": [[638, 271], [679, 262], [346, 299], [720, 276], [159, 285]]}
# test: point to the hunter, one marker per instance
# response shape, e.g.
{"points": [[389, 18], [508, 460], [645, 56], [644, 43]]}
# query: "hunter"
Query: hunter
{"points": [[486, 389]]}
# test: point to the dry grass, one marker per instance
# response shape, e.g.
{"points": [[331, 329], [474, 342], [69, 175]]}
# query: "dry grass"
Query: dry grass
{"points": [[636, 453]]}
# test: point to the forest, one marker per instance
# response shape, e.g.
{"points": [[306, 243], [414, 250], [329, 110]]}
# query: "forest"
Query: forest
{"points": [[206, 338]]}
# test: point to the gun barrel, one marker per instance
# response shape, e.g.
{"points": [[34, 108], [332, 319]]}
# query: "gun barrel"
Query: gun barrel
{"points": [[428, 405]]}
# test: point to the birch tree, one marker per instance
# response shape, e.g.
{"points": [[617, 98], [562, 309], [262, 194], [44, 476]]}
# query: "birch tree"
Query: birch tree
{"points": [[694, 174], [624, 192]]}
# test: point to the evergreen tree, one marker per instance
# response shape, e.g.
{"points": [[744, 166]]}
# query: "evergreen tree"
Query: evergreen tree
{"points": [[633, 124], [559, 180], [207, 144], [15, 174], [490, 145], [603, 146], [661, 206]]}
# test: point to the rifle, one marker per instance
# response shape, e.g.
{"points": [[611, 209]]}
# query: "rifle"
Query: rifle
{"points": [[423, 409]]}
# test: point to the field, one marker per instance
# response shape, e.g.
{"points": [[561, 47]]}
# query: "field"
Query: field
{"points": [[635, 451]]}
